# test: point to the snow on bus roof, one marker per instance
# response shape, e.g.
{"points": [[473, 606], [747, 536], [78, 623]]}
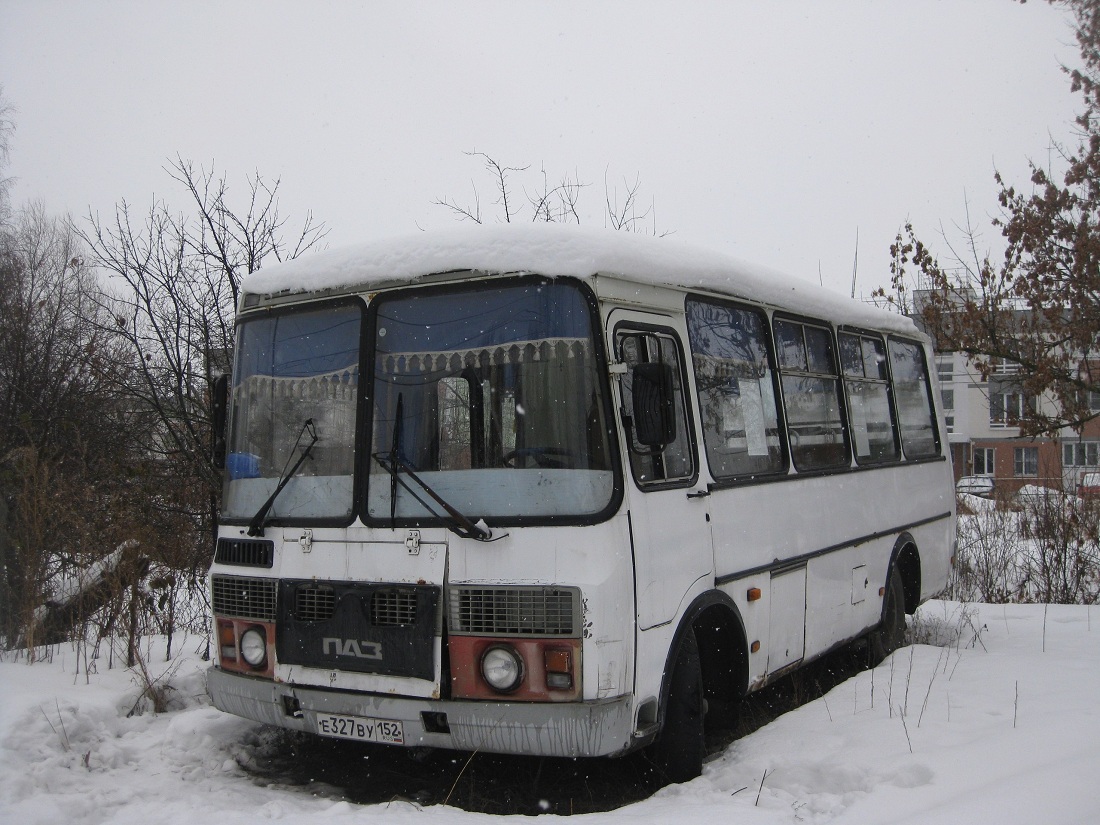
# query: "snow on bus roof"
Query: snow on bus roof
{"points": [[559, 250]]}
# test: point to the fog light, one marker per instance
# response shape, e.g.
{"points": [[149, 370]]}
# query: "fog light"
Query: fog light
{"points": [[502, 668], [559, 681], [254, 646]]}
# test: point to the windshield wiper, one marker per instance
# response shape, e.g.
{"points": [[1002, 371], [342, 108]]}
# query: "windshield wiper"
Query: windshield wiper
{"points": [[395, 465], [256, 526], [459, 523]]}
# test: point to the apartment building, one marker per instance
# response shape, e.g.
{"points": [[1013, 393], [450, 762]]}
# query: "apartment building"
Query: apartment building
{"points": [[985, 439]]}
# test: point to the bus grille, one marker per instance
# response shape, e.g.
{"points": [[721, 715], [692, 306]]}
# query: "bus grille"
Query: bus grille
{"points": [[393, 607], [365, 627], [244, 598], [314, 602], [514, 611], [245, 552]]}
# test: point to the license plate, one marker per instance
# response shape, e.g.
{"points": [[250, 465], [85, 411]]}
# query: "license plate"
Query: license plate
{"points": [[361, 728]]}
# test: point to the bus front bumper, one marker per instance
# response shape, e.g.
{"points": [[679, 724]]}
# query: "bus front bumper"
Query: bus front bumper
{"points": [[574, 729]]}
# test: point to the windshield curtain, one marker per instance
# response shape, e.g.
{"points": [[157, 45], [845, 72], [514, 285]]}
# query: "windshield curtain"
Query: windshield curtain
{"points": [[292, 368], [492, 397]]}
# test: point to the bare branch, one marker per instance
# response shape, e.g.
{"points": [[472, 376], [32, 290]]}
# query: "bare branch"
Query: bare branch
{"points": [[557, 203]]}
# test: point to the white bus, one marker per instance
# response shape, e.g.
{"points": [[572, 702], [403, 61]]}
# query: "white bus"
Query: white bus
{"points": [[544, 490]]}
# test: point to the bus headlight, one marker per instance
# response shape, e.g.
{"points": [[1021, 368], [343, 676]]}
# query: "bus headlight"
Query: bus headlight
{"points": [[254, 646], [502, 668]]}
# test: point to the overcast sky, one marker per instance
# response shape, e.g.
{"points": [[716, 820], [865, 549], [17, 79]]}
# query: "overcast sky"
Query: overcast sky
{"points": [[769, 130]]}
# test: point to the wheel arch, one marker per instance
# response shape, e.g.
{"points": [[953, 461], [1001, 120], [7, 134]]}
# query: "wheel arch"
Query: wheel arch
{"points": [[905, 559], [723, 648]]}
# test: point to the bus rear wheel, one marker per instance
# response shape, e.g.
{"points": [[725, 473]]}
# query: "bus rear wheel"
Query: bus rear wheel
{"points": [[890, 634], [677, 753]]}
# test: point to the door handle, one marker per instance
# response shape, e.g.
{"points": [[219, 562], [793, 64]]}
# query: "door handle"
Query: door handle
{"points": [[698, 494]]}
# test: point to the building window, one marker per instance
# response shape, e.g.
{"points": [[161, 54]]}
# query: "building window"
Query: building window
{"points": [[948, 398], [1088, 399], [983, 461], [1026, 461], [1081, 453], [1001, 366], [945, 369], [1008, 405]]}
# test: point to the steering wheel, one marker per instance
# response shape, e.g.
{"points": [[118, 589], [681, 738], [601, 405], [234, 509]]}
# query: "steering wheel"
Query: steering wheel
{"points": [[551, 458]]}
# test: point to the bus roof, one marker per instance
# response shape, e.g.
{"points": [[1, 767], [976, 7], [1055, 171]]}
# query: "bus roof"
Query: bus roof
{"points": [[557, 250]]}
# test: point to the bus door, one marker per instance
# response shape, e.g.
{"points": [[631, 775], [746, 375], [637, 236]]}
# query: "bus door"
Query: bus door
{"points": [[668, 516]]}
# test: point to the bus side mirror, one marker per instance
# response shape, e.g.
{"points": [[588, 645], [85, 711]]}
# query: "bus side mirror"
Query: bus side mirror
{"points": [[652, 399], [218, 408]]}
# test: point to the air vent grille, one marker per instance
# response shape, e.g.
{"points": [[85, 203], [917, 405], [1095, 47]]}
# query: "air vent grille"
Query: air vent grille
{"points": [[514, 611], [244, 598], [314, 602], [245, 552], [393, 607]]}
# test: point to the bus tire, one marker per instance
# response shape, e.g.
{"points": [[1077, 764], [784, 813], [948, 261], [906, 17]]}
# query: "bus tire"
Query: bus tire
{"points": [[677, 753], [890, 634]]}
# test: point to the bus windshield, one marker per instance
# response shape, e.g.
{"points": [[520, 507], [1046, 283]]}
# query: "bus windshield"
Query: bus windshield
{"points": [[296, 373], [491, 397]]}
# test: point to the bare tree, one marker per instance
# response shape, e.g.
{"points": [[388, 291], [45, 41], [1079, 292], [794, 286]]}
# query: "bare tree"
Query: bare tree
{"points": [[502, 184], [66, 466], [50, 336], [1039, 306], [177, 282], [7, 128], [547, 202]]}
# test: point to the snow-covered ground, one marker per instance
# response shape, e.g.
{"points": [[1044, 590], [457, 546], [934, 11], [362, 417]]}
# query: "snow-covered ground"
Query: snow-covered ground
{"points": [[1001, 725]]}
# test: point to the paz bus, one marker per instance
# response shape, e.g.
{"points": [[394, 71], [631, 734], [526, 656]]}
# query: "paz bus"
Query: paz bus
{"points": [[554, 491]]}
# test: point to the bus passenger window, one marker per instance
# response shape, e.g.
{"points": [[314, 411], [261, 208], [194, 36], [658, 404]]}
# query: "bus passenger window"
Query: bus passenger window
{"points": [[736, 386], [874, 435], [914, 399], [811, 396], [674, 462]]}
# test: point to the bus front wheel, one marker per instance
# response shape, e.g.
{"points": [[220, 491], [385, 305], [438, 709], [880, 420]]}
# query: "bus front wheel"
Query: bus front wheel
{"points": [[677, 753]]}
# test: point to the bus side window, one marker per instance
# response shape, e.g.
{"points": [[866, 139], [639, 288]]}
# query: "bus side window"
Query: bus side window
{"points": [[811, 395], [874, 435], [913, 396], [736, 386], [674, 462]]}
